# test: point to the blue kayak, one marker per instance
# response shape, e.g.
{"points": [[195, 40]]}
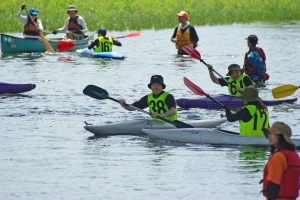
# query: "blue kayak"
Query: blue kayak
{"points": [[90, 53]]}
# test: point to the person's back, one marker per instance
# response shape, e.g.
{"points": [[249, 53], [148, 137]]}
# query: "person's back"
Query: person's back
{"points": [[103, 43]]}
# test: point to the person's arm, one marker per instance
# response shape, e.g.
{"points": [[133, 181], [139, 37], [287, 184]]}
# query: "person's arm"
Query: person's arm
{"points": [[247, 81], [116, 42], [82, 23], [63, 29], [171, 104], [173, 38], [212, 75], [39, 25], [194, 37], [93, 44], [243, 114], [142, 103], [21, 17]]}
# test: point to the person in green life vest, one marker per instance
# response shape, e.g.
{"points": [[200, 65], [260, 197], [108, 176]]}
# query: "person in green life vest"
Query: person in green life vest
{"points": [[236, 82], [253, 117], [103, 43], [160, 103]]}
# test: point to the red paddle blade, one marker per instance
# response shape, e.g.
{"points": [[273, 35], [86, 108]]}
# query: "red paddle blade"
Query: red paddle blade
{"points": [[196, 89], [63, 46], [133, 34], [192, 52]]}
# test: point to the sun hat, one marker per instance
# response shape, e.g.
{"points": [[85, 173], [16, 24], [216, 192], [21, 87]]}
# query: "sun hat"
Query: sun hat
{"points": [[250, 94], [33, 11], [280, 128], [157, 79], [253, 39], [234, 67], [71, 8], [102, 31], [183, 14]]}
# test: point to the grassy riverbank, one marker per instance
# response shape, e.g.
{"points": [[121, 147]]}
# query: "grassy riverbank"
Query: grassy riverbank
{"points": [[136, 15]]}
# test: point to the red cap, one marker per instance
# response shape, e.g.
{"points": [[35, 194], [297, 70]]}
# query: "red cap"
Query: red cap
{"points": [[183, 14]]}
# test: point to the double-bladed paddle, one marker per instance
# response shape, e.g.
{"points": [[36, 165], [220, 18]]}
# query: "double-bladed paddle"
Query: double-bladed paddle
{"points": [[196, 54], [100, 94], [284, 90], [197, 90], [64, 46]]}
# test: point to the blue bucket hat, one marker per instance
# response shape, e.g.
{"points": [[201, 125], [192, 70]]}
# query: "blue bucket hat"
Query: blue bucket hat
{"points": [[102, 31], [33, 11]]}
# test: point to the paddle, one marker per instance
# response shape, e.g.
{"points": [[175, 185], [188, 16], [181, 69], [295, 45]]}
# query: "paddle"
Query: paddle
{"points": [[197, 90], [100, 94], [63, 46], [284, 90], [195, 54], [47, 45]]}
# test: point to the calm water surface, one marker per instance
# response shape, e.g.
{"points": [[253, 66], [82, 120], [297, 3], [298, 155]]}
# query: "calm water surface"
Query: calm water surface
{"points": [[46, 154]]}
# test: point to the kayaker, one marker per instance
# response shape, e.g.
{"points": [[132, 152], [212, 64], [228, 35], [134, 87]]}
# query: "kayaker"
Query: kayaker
{"points": [[253, 117], [103, 43], [282, 172], [236, 82], [75, 25], [30, 30], [255, 62], [160, 103], [184, 34]]}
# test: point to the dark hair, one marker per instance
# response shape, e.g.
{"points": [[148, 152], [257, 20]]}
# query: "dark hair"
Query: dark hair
{"points": [[258, 104], [283, 144]]}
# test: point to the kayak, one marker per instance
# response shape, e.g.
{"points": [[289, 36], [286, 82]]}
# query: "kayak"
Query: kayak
{"points": [[230, 101], [90, 53], [207, 136], [134, 127], [14, 88], [12, 44]]}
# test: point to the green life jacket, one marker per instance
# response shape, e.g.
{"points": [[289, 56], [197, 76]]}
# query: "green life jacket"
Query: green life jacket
{"points": [[260, 120], [105, 44], [159, 105], [232, 84]]}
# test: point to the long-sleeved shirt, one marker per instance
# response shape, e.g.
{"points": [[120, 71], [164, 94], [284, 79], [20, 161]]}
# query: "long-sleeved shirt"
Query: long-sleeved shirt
{"points": [[81, 22], [193, 34], [96, 43], [256, 61], [25, 20]]}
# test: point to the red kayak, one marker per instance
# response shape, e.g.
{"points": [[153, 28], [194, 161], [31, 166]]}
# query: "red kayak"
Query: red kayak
{"points": [[15, 88]]}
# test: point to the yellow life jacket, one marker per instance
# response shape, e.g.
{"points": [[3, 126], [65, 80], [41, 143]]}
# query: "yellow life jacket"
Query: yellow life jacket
{"points": [[232, 84], [105, 44]]}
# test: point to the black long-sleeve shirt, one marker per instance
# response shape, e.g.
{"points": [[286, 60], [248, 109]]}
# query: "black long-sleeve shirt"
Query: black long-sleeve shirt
{"points": [[96, 43]]}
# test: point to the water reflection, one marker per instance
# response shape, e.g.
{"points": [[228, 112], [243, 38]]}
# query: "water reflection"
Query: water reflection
{"points": [[24, 56]]}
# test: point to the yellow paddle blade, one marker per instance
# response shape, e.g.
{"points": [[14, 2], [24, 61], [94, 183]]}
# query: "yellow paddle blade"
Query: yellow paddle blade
{"points": [[284, 91]]}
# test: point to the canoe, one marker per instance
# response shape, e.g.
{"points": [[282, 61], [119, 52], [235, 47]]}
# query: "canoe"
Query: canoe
{"points": [[230, 101], [90, 53], [12, 44], [207, 136], [134, 127], [14, 88]]}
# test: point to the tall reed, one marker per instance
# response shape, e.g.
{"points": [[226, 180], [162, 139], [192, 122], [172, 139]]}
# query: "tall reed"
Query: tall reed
{"points": [[147, 14]]}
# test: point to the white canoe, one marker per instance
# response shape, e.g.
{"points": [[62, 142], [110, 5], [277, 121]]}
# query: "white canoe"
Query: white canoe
{"points": [[207, 136], [134, 127]]}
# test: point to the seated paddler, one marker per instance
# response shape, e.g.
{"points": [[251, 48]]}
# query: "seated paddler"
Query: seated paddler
{"points": [[103, 43], [236, 79], [160, 103]]}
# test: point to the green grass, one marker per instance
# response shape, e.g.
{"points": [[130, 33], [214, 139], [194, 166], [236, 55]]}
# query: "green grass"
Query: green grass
{"points": [[122, 15]]}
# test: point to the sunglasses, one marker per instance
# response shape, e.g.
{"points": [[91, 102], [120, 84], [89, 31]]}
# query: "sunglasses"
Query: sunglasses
{"points": [[32, 14]]}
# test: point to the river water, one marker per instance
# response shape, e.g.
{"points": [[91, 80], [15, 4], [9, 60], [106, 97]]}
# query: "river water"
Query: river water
{"points": [[46, 154]]}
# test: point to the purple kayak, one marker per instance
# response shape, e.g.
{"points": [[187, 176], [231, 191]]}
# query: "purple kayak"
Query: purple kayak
{"points": [[233, 102], [15, 88]]}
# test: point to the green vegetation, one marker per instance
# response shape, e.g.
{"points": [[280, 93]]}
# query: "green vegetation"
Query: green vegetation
{"points": [[122, 15]]}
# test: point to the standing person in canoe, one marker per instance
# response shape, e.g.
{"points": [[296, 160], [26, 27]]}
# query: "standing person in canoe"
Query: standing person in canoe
{"points": [[282, 172], [103, 43], [184, 34], [255, 62], [236, 82], [75, 25], [160, 103], [30, 30], [253, 117]]}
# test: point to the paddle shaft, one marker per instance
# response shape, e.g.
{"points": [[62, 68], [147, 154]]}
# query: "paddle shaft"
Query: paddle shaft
{"points": [[47, 45]]}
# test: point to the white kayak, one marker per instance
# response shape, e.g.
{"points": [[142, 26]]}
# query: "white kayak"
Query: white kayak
{"points": [[134, 127], [207, 136], [90, 53]]}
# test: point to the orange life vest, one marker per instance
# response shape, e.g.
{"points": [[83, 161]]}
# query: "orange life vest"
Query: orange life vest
{"points": [[73, 24], [30, 28]]}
